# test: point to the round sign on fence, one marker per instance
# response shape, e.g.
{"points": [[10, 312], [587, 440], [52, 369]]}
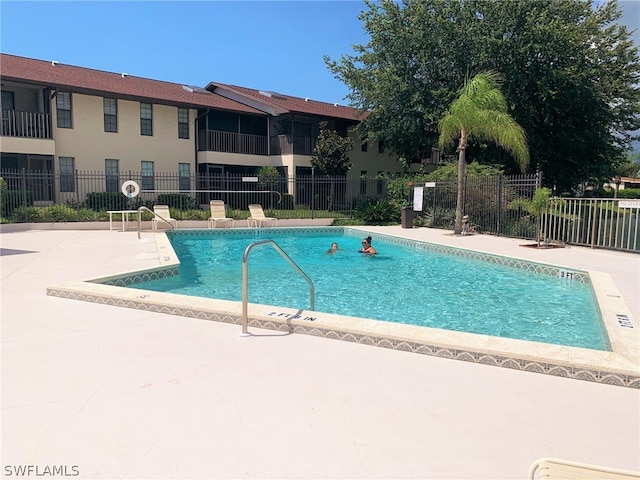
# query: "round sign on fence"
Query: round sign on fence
{"points": [[135, 190]]}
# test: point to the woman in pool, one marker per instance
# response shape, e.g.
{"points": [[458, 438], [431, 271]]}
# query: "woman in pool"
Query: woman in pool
{"points": [[366, 247]]}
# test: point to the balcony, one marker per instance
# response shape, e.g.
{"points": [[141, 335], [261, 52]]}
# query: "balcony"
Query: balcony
{"points": [[292, 144], [218, 141], [16, 123], [231, 142]]}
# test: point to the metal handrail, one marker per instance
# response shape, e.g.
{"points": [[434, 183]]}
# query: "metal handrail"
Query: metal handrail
{"points": [[141, 209], [245, 279]]}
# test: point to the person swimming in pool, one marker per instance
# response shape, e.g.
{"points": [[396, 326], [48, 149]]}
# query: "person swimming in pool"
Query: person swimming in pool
{"points": [[333, 249], [366, 247]]}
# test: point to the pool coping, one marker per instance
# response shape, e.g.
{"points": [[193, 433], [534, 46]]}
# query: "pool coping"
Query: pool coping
{"points": [[621, 366]]}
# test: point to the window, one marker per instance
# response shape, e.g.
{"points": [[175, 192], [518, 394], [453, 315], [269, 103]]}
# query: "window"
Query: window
{"points": [[8, 100], [67, 181], [110, 108], [183, 123], [363, 182], [184, 176], [112, 172], [147, 176], [63, 106], [364, 147], [380, 146], [146, 119]]}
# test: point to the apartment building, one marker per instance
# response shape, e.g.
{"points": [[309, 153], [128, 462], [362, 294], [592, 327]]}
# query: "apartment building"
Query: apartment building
{"points": [[66, 118]]}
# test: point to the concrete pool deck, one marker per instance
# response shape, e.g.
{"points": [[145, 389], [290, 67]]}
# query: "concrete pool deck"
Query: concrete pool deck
{"points": [[124, 393]]}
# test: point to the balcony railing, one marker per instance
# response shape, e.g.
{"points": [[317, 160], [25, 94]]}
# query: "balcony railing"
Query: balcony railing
{"points": [[217, 141], [288, 144], [16, 123]]}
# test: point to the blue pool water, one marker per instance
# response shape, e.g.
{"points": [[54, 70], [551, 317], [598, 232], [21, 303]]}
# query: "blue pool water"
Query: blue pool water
{"points": [[400, 284]]}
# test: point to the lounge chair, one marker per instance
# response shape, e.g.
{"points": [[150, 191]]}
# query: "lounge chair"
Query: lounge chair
{"points": [[162, 214], [257, 218], [219, 214], [553, 468]]}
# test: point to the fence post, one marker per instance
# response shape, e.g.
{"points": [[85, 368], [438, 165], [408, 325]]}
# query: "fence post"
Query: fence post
{"points": [[313, 196], [499, 206], [593, 224], [24, 193]]}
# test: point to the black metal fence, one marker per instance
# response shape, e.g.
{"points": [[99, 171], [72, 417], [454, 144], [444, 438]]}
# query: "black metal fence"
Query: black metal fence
{"points": [[291, 197], [486, 200]]}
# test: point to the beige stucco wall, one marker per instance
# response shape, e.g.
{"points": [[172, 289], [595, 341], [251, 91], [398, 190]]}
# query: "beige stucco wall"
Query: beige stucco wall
{"points": [[90, 145], [28, 145]]}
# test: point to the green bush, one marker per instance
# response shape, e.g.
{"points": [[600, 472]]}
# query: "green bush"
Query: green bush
{"points": [[629, 193], [340, 222], [377, 212], [102, 201], [180, 201], [523, 228], [10, 200], [25, 214], [193, 214]]}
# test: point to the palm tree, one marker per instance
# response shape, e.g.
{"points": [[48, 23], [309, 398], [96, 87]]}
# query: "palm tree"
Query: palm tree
{"points": [[480, 112]]}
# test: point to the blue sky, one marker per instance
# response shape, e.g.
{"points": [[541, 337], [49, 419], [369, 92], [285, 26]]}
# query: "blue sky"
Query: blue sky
{"points": [[266, 45]]}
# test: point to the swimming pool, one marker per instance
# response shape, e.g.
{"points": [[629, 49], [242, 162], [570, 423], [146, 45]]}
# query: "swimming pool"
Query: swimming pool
{"points": [[408, 282]]}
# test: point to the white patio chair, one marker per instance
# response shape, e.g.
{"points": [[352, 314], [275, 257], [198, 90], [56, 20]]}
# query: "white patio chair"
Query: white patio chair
{"points": [[219, 214], [162, 215], [257, 217]]}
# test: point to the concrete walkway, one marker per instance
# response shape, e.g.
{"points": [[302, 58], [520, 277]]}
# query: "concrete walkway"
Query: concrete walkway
{"points": [[116, 393]]}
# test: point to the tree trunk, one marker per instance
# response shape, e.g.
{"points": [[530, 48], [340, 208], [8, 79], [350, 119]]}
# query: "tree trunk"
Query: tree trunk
{"points": [[462, 163]]}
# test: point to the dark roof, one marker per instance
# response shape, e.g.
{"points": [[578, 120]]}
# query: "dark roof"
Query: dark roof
{"points": [[282, 103], [85, 80], [216, 95]]}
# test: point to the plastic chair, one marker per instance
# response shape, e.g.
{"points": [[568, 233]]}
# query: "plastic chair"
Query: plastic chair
{"points": [[219, 214], [162, 215], [257, 217]]}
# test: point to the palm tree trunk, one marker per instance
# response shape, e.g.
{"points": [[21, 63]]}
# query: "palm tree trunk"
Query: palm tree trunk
{"points": [[462, 163]]}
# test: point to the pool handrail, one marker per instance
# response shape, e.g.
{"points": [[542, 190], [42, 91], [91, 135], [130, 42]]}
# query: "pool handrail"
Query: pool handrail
{"points": [[245, 279], [141, 209]]}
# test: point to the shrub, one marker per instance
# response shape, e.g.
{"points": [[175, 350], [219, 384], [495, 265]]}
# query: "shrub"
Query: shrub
{"points": [[25, 214], [377, 212], [523, 228], [339, 222], [102, 201], [629, 193], [193, 214], [180, 201], [12, 199]]}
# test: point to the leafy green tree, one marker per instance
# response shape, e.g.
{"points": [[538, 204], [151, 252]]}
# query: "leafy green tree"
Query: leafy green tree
{"points": [[571, 78], [331, 156], [630, 167], [268, 177], [480, 112], [449, 172], [331, 153]]}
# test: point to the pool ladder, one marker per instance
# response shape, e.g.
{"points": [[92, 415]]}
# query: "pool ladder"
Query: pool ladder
{"points": [[141, 209], [245, 279]]}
